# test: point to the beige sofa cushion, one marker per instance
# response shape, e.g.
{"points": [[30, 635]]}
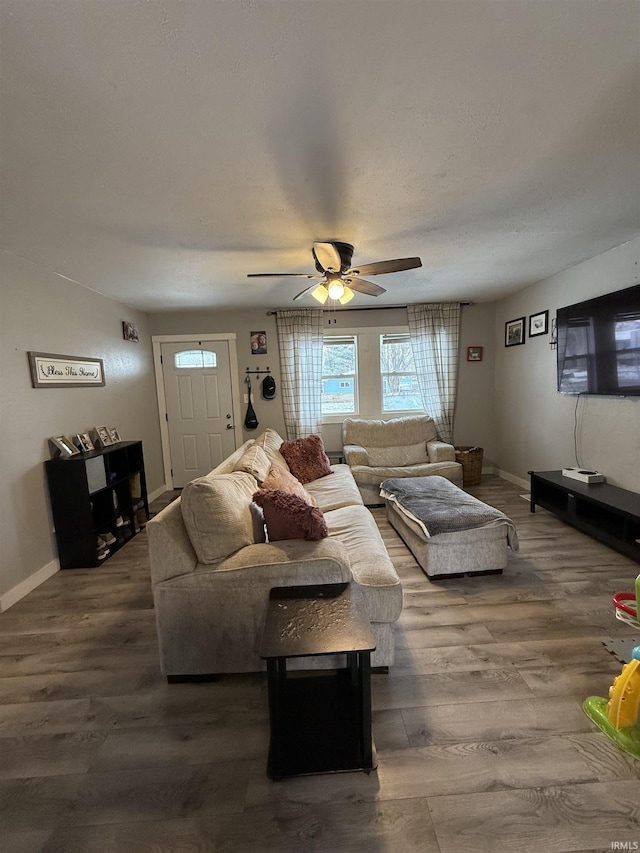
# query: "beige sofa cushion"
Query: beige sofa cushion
{"points": [[374, 476], [371, 567], [271, 442], [217, 515], [338, 490], [407, 454], [254, 461], [378, 433]]}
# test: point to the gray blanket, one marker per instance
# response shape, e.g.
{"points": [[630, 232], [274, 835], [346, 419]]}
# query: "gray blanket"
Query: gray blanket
{"points": [[440, 507]]}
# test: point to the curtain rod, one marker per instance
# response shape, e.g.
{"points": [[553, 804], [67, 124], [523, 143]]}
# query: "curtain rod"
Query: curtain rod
{"points": [[370, 308]]}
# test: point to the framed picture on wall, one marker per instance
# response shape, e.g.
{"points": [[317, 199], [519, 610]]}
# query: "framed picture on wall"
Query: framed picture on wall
{"points": [[130, 332], [538, 324], [514, 332], [259, 343], [474, 353], [64, 371]]}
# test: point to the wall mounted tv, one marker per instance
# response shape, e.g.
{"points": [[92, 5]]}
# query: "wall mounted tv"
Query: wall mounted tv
{"points": [[599, 345]]}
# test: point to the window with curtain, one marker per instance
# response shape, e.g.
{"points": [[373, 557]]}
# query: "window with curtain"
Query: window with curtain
{"points": [[400, 391], [435, 332], [339, 375], [300, 350], [368, 372]]}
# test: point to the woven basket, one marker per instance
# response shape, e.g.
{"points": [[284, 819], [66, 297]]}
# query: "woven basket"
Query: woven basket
{"points": [[471, 460]]}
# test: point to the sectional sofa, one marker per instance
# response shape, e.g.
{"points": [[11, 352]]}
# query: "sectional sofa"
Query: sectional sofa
{"points": [[211, 569]]}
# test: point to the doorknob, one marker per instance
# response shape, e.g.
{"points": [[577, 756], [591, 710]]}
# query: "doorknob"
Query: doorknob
{"points": [[230, 426]]}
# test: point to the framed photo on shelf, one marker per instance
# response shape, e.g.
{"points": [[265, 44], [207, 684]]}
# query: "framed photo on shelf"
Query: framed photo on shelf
{"points": [[78, 440], [64, 445], [103, 436], [514, 332], [114, 435], [86, 440], [538, 324], [474, 353]]}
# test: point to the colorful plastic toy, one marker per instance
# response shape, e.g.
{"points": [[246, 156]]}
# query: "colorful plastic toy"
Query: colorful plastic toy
{"points": [[626, 604], [618, 717]]}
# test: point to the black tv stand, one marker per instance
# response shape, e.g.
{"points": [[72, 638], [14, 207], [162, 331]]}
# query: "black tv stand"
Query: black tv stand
{"points": [[607, 513]]}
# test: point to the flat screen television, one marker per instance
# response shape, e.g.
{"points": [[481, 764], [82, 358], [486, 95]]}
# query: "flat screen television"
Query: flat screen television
{"points": [[599, 345]]}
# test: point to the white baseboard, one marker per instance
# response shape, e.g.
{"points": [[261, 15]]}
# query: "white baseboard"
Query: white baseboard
{"points": [[157, 492], [26, 586], [524, 484]]}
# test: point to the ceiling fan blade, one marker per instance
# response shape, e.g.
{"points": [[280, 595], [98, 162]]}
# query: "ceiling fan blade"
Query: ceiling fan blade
{"points": [[381, 267], [306, 291], [283, 275], [362, 286], [327, 256]]}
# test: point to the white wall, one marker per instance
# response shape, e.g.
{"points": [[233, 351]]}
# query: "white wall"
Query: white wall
{"points": [[475, 407], [474, 422], [535, 424], [42, 312], [268, 412]]}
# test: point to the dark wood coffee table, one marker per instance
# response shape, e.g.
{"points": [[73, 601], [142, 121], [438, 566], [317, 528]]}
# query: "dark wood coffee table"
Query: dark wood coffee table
{"points": [[320, 719]]}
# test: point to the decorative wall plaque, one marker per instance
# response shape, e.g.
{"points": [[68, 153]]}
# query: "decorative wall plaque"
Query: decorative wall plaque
{"points": [[64, 371]]}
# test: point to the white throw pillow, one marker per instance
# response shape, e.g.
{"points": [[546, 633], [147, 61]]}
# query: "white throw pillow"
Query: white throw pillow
{"points": [[254, 461], [394, 457], [271, 442]]}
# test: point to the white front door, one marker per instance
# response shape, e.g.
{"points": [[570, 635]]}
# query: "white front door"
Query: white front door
{"points": [[197, 386]]}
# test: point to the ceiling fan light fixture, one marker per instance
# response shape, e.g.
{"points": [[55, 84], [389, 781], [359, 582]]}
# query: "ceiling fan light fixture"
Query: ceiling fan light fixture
{"points": [[320, 293], [336, 289], [341, 280]]}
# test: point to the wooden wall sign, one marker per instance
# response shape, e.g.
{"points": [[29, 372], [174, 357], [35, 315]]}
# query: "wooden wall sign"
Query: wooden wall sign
{"points": [[64, 371]]}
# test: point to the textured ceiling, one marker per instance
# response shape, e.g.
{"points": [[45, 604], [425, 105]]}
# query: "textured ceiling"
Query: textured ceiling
{"points": [[157, 151]]}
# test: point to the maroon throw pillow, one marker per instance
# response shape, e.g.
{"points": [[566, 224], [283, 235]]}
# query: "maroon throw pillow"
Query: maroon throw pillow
{"points": [[289, 517], [306, 458]]}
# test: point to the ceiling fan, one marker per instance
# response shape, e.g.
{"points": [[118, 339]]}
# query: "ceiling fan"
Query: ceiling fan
{"points": [[341, 279]]}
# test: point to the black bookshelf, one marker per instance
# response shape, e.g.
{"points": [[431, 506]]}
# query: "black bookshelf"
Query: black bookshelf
{"points": [[96, 493], [608, 513]]}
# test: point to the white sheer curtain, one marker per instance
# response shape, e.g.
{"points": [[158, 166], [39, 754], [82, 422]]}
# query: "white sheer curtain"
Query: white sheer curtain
{"points": [[300, 343], [435, 331]]}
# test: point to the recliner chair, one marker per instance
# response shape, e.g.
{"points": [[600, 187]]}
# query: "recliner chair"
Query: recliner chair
{"points": [[400, 447]]}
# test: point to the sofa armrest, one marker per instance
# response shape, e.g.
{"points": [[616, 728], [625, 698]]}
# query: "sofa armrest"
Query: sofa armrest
{"points": [[440, 451], [291, 562], [170, 550], [354, 454]]}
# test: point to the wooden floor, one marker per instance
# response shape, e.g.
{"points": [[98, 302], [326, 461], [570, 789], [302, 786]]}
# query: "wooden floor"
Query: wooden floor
{"points": [[482, 742]]}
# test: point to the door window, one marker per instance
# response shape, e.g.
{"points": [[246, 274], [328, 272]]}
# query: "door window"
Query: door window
{"points": [[194, 358]]}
